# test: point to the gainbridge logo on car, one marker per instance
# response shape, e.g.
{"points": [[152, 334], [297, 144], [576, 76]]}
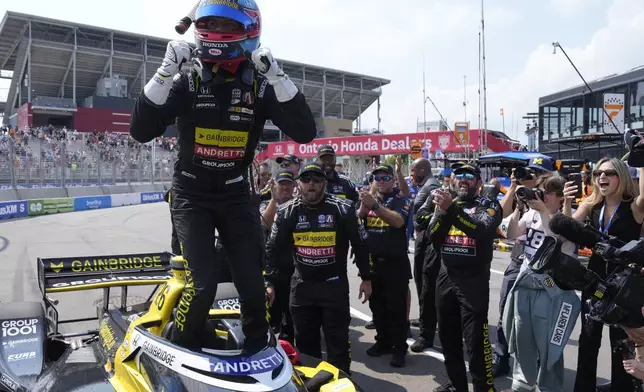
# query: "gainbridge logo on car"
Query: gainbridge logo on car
{"points": [[311, 244]]}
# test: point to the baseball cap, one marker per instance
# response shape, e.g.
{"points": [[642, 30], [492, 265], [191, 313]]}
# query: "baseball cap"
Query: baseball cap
{"points": [[326, 149], [285, 175], [541, 163], [384, 168], [287, 158], [467, 168], [313, 168]]}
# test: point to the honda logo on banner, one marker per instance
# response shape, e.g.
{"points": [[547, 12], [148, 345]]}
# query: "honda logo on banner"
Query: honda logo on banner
{"points": [[614, 106]]}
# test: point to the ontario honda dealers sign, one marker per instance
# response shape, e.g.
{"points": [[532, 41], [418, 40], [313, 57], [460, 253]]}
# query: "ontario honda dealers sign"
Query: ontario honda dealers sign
{"points": [[384, 144]]}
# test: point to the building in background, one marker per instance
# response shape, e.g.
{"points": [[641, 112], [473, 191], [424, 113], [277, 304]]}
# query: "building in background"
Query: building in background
{"points": [[572, 123], [87, 78]]}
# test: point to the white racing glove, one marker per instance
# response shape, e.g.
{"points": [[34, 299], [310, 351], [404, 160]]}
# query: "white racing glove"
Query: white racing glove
{"points": [[285, 89], [158, 88]]}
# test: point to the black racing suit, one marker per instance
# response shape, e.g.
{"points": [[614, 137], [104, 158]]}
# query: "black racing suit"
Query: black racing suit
{"points": [[465, 234], [280, 311], [220, 262], [319, 236], [426, 261], [218, 134], [342, 187], [390, 273]]}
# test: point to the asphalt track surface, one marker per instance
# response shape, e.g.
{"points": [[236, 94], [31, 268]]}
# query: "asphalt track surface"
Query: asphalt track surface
{"points": [[146, 228]]}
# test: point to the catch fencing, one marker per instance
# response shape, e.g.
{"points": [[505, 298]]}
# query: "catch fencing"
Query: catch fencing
{"points": [[36, 158]]}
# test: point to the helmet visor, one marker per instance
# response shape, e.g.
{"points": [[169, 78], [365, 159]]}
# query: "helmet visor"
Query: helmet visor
{"points": [[224, 9], [220, 25]]}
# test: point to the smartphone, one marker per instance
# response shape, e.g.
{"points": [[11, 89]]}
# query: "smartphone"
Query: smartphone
{"points": [[576, 178]]}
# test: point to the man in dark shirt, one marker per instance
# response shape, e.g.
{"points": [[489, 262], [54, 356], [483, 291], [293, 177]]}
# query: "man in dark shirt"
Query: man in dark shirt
{"points": [[384, 217], [337, 184]]}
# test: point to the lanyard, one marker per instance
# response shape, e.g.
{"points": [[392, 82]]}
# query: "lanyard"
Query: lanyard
{"points": [[601, 219]]}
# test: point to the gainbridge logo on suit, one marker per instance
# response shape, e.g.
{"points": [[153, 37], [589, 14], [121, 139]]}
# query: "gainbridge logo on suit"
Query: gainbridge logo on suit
{"points": [[219, 148], [315, 248]]}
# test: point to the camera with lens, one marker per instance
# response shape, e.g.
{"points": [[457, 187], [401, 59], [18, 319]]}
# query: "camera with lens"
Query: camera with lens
{"points": [[634, 139], [522, 173], [527, 194], [616, 300]]}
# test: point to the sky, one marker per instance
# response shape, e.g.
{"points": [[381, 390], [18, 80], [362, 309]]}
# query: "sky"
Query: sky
{"points": [[389, 39]]}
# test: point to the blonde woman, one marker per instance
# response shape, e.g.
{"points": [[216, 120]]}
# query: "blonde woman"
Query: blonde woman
{"points": [[614, 209]]}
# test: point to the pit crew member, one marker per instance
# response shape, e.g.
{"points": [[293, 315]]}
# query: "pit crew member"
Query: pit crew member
{"points": [[337, 184], [385, 217], [463, 231], [282, 192], [318, 227]]}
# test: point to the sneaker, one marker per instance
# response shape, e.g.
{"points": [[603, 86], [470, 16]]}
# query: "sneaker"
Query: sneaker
{"points": [[378, 349], [420, 345], [448, 387], [603, 388], [398, 360], [500, 365], [370, 325]]}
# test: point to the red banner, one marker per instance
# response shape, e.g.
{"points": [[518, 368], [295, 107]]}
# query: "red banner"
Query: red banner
{"points": [[401, 143]]}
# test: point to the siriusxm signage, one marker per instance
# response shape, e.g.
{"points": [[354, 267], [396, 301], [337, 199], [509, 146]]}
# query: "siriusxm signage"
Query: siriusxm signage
{"points": [[92, 203], [13, 209], [151, 197]]}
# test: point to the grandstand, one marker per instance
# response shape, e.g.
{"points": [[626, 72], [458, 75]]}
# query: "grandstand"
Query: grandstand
{"points": [[87, 78], [70, 80]]}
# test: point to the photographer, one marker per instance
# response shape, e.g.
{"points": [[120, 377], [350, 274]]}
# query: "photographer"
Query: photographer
{"points": [[614, 209], [534, 306], [462, 230], [528, 178]]}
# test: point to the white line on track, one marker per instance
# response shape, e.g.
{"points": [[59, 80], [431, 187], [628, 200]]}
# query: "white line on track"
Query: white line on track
{"points": [[429, 352]]}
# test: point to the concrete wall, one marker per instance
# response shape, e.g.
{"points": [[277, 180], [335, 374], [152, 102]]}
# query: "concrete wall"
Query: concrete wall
{"points": [[51, 193]]}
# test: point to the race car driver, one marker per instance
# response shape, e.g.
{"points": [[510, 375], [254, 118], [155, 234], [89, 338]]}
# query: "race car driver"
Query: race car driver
{"points": [[220, 107], [385, 217], [318, 227], [463, 230], [337, 184]]}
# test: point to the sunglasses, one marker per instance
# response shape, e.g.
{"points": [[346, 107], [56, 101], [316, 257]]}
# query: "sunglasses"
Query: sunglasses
{"points": [[266, 175], [608, 173], [316, 180], [385, 178], [465, 176], [286, 164]]}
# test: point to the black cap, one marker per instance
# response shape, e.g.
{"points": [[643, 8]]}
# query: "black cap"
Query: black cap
{"points": [[313, 168], [468, 168], [384, 168], [285, 175], [287, 158], [326, 149]]}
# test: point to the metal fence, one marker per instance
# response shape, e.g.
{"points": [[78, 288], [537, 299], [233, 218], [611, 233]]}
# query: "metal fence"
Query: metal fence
{"points": [[37, 158]]}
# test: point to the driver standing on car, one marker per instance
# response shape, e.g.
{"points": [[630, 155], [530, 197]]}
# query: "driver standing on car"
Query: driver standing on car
{"points": [[318, 227], [220, 107]]}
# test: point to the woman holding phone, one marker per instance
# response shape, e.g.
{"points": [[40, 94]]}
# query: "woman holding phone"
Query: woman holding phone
{"points": [[614, 209]]}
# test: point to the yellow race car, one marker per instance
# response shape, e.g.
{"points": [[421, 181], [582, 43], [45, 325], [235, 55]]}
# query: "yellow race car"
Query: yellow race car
{"points": [[130, 350]]}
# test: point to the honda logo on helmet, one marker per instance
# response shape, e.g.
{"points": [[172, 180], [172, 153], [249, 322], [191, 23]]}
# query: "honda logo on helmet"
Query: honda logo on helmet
{"points": [[215, 52], [208, 44]]}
